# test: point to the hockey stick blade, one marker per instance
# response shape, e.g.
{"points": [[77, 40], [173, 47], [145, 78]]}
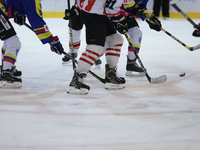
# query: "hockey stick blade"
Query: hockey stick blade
{"points": [[195, 48], [157, 80]]}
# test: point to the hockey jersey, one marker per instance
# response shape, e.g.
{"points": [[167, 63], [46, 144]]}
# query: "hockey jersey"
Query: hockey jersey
{"points": [[111, 8], [33, 10]]}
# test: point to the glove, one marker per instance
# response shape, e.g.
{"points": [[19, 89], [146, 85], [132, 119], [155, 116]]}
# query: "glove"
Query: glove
{"points": [[138, 11], [120, 23], [74, 11], [196, 33], [20, 19], [154, 23], [55, 45]]}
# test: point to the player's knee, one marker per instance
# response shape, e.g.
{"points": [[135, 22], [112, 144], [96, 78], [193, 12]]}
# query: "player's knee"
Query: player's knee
{"points": [[13, 42], [135, 32], [114, 39], [94, 48]]}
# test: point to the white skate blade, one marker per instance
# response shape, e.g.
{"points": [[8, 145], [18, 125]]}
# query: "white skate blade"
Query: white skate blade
{"points": [[81, 91], [5, 84], [111, 86], [135, 74]]}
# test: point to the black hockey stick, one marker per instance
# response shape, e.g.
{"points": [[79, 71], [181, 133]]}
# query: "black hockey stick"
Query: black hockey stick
{"points": [[185, 16], [71, 37], [173, 37], [74, 60], [157, 80]]}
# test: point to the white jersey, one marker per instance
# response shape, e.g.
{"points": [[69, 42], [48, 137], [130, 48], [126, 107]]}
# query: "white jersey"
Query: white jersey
{"points": [[112, 7]]}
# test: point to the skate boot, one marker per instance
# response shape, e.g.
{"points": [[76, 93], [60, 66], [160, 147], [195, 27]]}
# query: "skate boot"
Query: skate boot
{"points": [[112, 81], [77, 86], [98, 63], [67, 60], [15, 72], [132, 69], [9, 81]]}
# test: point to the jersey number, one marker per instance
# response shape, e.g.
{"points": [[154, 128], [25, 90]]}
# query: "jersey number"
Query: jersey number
{"points": [[110, 3]]}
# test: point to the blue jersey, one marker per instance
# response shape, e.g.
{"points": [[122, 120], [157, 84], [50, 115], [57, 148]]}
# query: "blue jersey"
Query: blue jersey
{"points": [[33, 10]]}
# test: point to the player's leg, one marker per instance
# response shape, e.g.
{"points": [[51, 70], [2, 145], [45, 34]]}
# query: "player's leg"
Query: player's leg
{"points": [[11, 46], [95, 39], [114, 42], [135, 34]]}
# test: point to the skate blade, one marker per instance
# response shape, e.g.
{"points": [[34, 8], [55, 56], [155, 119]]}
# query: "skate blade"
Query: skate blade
{"points": [[131, 74], [5, 84], [111, 86], [81, 91]]}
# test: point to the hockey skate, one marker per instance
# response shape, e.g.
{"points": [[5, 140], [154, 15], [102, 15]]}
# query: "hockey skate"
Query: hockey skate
{"points": [[77, 86], [132, 69], [15, 72], [112, 81], [97, 63], [67, 60], [9, 81]]}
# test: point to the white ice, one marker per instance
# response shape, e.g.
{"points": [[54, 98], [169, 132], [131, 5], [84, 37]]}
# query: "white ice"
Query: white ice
{"points": [[42, 116]]}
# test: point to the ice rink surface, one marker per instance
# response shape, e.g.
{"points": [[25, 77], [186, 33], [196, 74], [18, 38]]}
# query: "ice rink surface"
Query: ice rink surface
{"points": [[42, 116]]}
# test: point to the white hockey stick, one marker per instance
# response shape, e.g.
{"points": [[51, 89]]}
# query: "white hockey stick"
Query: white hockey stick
{"points": [[157, 80]]}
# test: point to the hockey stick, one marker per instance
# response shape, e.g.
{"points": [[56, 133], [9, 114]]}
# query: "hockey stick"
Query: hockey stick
{"points": [[74, 60], [185, 16], [71, 36], [157, 80], [188, 47], [173, 37]]}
